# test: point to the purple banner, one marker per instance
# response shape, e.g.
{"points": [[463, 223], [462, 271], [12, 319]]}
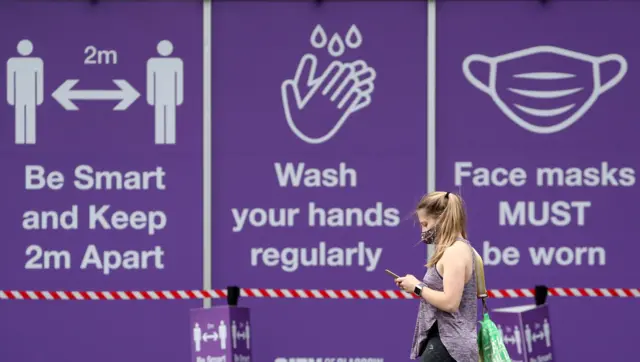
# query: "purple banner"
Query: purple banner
{"points": [[101, 144], [537, 129], [319, 142]]}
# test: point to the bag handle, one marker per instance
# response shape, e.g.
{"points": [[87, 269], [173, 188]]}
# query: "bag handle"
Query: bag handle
{"points": [[481, 287]]}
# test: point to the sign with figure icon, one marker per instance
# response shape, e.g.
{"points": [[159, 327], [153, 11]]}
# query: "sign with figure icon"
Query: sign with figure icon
{"points": [[323, 147], [526, 332], [101, 151], [537, 129], [221, 333]]}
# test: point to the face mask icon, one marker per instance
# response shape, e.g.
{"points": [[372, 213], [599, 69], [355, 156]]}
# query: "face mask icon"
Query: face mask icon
{"points": [[544, 89]]}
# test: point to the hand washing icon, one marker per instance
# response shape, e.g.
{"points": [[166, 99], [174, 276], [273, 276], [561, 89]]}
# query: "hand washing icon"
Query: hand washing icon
{"points": [[544, 89], [318, 102]]}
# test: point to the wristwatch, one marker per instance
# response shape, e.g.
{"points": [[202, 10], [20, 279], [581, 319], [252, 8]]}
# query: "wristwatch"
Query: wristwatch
{"points": [[418, 290]]}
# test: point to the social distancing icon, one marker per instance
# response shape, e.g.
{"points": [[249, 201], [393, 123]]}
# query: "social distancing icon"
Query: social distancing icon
{"points": [[164, 91], [216, 335], [241, 332]]}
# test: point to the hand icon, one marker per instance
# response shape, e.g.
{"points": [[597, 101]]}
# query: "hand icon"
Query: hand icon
{"points": [[343, 88]]}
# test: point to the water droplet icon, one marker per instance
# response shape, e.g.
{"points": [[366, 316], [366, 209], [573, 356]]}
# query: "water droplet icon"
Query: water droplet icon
{"points": [[318, 37], [354, 37], [336, 46]]}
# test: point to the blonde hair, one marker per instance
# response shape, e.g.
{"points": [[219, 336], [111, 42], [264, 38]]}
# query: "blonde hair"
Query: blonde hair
{"points": [[448, 209]]}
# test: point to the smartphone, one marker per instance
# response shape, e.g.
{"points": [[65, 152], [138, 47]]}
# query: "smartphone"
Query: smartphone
{"points": [[392, 273]]}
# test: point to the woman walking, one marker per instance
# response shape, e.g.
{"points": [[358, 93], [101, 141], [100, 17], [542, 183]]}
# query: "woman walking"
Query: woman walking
{"points": [[446, 328]]}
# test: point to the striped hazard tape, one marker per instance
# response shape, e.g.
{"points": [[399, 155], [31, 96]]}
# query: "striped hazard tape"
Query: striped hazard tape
{"points": [[295, 294]]}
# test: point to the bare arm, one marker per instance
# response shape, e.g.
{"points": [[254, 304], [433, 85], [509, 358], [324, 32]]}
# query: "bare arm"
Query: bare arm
{"points": [[454, 262]]}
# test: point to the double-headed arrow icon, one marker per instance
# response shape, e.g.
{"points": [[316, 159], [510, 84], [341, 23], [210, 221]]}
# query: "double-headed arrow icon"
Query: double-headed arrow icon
{"points": [[213, 336], [65, 94]]}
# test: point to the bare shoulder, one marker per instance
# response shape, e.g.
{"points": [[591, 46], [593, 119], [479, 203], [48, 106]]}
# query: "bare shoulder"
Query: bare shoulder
{"points": [[458, 252]]}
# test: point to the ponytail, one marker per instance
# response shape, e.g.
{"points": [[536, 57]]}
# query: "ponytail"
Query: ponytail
{"points": [[448, 209]]}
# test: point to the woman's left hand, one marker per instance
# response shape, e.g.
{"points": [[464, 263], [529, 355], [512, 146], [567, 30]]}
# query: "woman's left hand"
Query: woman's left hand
{"points": [[407, 283]]}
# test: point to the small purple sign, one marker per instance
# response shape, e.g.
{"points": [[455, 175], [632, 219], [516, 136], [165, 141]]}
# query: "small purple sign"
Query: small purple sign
{"points": [[526, 332], [221, 334]]}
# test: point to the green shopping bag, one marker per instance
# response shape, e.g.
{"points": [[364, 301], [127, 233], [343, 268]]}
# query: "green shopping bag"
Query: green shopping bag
{"points": [[490, 344]]}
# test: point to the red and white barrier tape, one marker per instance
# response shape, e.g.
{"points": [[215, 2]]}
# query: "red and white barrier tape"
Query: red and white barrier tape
{"points": [[295, 293]]}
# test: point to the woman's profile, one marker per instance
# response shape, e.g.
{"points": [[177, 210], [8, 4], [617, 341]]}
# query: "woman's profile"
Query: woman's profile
{"points": [[446, 327]]}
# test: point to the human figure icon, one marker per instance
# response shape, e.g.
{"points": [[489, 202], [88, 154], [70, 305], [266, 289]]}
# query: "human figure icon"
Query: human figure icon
{"points": [[234, 334], [165, 77], [197, 336], [528, 338], [222, 333], [516, 335], [546, 329], [246, 335], [25, 91]]}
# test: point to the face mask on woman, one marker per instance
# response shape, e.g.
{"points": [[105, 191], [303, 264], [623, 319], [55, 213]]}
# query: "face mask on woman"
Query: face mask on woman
{"points": [[429, 236]]}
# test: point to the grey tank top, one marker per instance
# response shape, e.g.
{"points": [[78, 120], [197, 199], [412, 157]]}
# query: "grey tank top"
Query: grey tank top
{"points": [[458, 331]]}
